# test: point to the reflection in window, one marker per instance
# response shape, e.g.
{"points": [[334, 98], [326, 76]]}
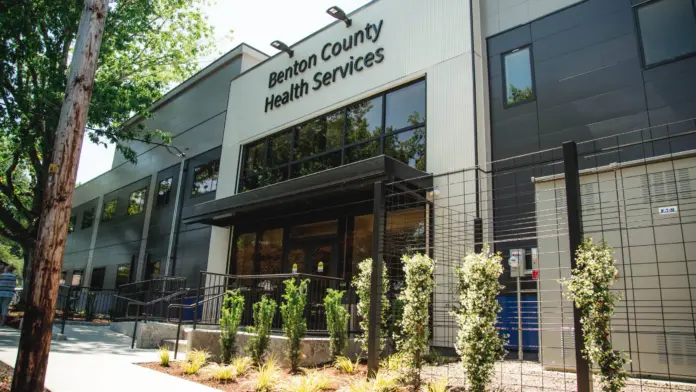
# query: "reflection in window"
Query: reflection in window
{"points": [[246, 245], [163, 191], [407, 147], [518, 76], [136, 201], [97, 279], [405, 107], [667, 29], [77, 278], [109, 210], [364, 120], [205, 178], [316, 229], [362, 239], [87, 218], [123, 274], [347, 135], [271, 251], [71, 224]]}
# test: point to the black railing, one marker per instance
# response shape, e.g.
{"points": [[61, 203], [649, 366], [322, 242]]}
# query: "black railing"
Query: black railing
{"points": [[152, 297], [84, 304], [253, 287]]}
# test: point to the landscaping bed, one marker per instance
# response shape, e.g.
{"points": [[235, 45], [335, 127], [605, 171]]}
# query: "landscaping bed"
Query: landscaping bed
{"points": [[247, 382], [6, 377]]}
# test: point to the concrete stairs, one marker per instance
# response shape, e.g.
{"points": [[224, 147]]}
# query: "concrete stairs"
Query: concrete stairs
{"points": [[171, 343]]}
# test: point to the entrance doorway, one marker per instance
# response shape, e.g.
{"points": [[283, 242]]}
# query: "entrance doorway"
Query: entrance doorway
{"points": [[316, 257]]}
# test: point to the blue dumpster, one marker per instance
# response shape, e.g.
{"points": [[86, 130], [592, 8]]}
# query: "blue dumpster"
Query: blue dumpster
{"points": [[507, 322], [188, 312]]}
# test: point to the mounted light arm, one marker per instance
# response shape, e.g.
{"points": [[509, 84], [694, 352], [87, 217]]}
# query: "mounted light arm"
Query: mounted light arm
{"points": [[338, 13], [283, 48]]}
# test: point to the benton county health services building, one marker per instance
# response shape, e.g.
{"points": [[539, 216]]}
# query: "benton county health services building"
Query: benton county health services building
{"points": [[282, 152]]}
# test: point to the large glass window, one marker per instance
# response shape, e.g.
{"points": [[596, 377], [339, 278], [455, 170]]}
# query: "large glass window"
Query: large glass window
{"points": [[245, 247], [163, 191], [519, 86], [348, 135], [667, 29], [123, 274], [205, 178], [271, 251], [109, 212], [88, 218], [136, 201]]}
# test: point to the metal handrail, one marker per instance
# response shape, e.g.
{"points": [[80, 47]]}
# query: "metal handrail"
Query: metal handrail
{"points": [[181, 312], [278, 276]]}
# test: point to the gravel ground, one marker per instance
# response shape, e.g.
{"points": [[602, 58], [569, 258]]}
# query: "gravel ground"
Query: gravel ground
{"points": [[511, 376]]}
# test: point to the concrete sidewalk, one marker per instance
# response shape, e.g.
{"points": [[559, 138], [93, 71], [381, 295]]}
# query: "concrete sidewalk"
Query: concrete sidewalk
{"points": [[98, 359]]}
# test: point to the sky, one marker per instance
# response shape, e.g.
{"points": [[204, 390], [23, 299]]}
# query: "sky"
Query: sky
{"points": [[255, 22]]}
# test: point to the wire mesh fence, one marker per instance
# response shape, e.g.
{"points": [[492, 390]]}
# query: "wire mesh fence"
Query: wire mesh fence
{"points": [[637, 192]]}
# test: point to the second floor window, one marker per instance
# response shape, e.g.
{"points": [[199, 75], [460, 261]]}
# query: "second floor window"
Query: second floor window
{"points": [[88, 218], [109, 212], [205, 178], [518, 79], [163, 191], [667, 30], [71, 225], [123, 274], [136, 201]]}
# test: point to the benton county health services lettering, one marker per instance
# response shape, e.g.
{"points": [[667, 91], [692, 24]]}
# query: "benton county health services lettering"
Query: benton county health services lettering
{"points": [[330, 50]]}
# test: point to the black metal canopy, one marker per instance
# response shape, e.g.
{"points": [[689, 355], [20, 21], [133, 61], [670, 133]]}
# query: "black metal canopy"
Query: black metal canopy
{"points": [[343, 184]]}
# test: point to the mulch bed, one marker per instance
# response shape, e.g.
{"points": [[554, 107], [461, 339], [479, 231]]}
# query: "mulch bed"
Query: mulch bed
{"points": [[246, 383], [6, 372]]}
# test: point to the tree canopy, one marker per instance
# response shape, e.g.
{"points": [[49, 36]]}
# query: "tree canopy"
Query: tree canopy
{"points": [[148, 46]]}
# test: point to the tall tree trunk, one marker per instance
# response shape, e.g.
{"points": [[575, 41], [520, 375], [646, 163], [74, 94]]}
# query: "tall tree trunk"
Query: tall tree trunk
{"points": [[35, 342]]}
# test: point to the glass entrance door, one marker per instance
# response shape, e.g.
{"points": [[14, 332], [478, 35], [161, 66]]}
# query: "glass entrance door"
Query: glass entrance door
{"points": [[313, 257]]}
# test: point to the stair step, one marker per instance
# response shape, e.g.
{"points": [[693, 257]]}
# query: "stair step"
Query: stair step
{"points": [[171, 343]]}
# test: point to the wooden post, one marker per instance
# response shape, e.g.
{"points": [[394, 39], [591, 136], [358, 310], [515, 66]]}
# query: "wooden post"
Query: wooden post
{"points": [[35, 341]]}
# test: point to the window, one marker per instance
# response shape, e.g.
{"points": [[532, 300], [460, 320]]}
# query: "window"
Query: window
{"points": [[518, 79], [136, 201], [205, 178], [109, 210], [97, 280], [77, 278], [71, 224], [152, 269], [245, 247], [63, 275], [88, 218], [271, 251], [354, 133], [163, 191], [123, 274], [667, 30]]}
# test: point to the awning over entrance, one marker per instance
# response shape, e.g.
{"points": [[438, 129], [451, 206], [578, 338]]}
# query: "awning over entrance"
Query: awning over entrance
{"points": [[343, 184]]}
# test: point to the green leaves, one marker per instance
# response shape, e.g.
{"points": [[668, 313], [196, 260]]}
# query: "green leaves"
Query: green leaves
{"points": [[362, 284], [230, 318], [336, 322], [590, 289], [478, 342], [264, 311], [294, 322]]}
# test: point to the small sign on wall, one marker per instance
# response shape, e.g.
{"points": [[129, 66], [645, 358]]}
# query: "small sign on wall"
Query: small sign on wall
{"points": [[668, 210]]}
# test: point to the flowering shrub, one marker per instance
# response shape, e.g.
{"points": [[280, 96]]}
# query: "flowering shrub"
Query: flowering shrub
{"points": [[362, 284], [590, 289], [336, 321], [478, 342], [264, 311], [230, 318], [414, 335], [294, 322]]}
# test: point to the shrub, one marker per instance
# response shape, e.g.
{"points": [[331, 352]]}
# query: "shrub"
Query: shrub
{"points": [[383, 382], [413, 339], [241, 365], [222, 373], [263, 313], [269, 374], [314, 382], [294, 322], [437, 386], [345, 365], [590, 289], [336, 321], [164, 356], [362, 284], [230, 318], [478, 342], [195, 359]]}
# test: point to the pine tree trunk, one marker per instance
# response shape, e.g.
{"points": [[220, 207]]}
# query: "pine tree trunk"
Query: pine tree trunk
{"points": [[35, 342]]}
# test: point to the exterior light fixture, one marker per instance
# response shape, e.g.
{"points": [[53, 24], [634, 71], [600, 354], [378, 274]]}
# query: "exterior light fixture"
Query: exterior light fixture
{"points": [[282, 47], [338, 13]]}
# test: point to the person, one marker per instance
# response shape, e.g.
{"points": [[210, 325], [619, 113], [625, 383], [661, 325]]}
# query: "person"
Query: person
{"points": [[8, 282]]}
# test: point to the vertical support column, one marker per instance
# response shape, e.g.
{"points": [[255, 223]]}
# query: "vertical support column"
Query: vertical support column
{"points": [[374, 319], [575, 233], [478, 235], [149, 206], [87, 274]]}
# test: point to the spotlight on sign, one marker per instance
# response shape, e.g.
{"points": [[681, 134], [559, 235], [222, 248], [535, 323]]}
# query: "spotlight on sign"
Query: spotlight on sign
{"points": [[282, 47], [338, 13]]}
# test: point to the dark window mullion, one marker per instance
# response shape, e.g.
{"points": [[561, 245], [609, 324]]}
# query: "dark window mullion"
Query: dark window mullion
{"points": [[383, 131], [343, 138]]}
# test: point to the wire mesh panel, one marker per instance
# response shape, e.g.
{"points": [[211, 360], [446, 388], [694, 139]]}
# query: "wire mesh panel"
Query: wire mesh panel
{"points": [[637, 192]]}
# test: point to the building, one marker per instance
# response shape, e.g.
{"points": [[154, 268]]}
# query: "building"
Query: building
{"points": [[284, 151]]}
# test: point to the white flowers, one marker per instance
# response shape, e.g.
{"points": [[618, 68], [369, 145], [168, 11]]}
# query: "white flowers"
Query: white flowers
{"points": [[362, 284]]}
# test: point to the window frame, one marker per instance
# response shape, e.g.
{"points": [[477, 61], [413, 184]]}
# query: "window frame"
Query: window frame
{"points": [[91, 222], [193, 179], [159, 196], [143, 205], [118, 269], [92, 275], [639, 32], [507, 105], [72, 223], [115, 201], [343, 148], [81, 274]]}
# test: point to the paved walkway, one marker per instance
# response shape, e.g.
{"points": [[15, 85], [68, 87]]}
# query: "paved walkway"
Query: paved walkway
{"points": [[98, 359]]}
